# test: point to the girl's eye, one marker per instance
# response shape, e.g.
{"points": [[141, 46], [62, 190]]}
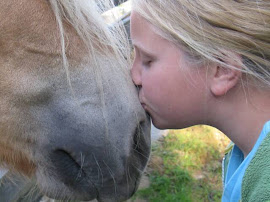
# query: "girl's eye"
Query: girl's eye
{"points": [[147, 63]]}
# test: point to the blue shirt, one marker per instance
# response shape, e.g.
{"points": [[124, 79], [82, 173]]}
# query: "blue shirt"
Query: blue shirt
{"points": [[237, 167]]}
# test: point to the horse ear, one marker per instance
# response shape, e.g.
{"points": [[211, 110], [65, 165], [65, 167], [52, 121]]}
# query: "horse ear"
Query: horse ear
{"points": [[225, 77]]}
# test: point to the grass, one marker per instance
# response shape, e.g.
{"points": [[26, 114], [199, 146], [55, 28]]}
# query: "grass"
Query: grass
{"points": [[186, 166]]}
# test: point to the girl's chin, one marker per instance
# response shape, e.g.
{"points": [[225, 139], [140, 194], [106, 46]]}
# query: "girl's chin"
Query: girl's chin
{"points": [[164, 124], [158, 124], [157, 121]]}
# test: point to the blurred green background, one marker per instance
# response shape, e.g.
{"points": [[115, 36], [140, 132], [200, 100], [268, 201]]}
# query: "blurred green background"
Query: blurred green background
{"points": [[185, 165]]}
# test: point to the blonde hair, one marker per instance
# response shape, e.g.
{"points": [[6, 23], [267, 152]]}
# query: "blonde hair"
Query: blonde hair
{"points": [[210, 28], [100, 39]]}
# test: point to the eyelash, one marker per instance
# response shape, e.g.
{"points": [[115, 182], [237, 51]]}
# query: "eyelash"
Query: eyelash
{"points": [[147, 63]]}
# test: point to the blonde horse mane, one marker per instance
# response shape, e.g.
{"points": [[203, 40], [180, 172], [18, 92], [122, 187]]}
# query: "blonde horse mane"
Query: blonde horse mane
{"points": [[100, 39]]}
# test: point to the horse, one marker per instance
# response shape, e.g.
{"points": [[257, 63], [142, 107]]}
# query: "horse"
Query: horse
{"points": [[70, 117]]}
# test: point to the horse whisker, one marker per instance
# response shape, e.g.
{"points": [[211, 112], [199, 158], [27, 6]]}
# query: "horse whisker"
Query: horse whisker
{"points": [[81, 168], [99, 169], [111, 173]]}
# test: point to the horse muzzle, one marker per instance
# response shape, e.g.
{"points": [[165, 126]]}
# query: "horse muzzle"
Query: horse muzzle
{"points": [[85, 170]]}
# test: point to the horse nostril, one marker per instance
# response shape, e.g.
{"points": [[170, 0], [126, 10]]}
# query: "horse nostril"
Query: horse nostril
{"points": [[67, 167], [64, 157]]}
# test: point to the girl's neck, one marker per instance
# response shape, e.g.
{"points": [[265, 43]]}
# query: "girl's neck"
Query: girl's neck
{"points": [[242, 116]]}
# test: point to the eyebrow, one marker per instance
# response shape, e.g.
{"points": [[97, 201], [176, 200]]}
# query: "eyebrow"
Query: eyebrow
{"points": [[143, 50]]}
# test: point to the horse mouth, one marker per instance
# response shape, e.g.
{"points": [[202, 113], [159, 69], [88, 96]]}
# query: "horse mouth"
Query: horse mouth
{"points": [[72, 180]]}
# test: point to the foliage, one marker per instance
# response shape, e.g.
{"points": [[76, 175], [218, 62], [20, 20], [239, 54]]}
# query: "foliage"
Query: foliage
{"points": [[186, 166]]}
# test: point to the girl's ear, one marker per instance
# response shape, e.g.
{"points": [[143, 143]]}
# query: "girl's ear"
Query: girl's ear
{"points": [[225, 78]]}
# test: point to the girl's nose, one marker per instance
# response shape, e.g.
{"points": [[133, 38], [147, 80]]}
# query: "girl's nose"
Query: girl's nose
{"points": [[136, 74]]}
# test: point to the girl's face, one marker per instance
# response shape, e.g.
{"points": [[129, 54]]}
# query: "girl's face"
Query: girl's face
{"points": [[171, 90]]}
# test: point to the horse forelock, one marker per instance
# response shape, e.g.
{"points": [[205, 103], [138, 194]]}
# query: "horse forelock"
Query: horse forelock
{"points": [[100, 39]]}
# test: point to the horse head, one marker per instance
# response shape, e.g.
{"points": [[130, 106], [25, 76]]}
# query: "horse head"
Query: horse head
{"points": [[69, 113]]}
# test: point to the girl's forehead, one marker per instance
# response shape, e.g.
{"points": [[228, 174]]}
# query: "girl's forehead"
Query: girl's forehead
{"points": [[138, 24], [143, 33]]}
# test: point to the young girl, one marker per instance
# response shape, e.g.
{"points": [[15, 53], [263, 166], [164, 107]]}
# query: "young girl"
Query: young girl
{"points": [[208, 62]]}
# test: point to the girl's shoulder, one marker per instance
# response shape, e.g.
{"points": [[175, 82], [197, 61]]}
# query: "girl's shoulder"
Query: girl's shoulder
{"points": [[256, 181]]}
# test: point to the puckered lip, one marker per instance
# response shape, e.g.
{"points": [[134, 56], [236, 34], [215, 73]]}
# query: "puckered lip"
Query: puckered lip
{"points": [[144, 106], [142, 102]]}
